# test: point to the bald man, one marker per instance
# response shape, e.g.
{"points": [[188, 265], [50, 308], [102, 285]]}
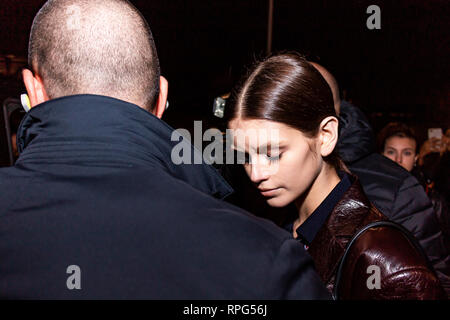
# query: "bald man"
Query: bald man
{"points": [[389, 187], [330, 79], [94, 207]]}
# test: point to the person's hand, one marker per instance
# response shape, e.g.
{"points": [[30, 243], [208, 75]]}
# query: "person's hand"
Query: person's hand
{"points": [[445, 143], [430, 146]]}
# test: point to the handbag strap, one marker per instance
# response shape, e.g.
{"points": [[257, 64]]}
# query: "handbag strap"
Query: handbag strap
{"points": [[355, 237]]}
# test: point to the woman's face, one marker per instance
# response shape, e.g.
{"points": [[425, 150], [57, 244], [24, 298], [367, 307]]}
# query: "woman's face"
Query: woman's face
{"points": [[286, 168], [401, 150]]}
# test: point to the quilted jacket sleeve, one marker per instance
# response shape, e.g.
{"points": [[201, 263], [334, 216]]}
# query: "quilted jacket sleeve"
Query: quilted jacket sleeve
{"points": [[413, 209]]}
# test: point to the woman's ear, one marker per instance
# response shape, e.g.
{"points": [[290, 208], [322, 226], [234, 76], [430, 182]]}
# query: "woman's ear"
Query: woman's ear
{"points": [[35, 88], [162, 98], [328, 135]]}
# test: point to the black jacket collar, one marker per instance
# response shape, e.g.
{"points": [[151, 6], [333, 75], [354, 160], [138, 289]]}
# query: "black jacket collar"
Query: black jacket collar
{"points": [[103, 130], [356, 138]]}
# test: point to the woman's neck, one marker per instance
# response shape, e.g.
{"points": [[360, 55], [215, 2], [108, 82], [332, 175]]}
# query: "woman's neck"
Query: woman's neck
{"points": [[316, 194]]}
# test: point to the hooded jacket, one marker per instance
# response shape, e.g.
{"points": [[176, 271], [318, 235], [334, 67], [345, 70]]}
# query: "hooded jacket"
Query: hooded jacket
{"points": [[94, 208], [392, 189]]}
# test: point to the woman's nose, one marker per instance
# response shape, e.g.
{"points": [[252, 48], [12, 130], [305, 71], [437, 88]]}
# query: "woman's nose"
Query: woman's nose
{"points": [[258, 173]]}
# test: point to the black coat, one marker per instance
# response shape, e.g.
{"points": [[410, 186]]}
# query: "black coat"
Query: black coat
{"points": [[392, 189], [95, 187]]}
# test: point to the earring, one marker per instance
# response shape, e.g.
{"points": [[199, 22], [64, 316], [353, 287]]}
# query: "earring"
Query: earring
{"points": [[25, 100]]}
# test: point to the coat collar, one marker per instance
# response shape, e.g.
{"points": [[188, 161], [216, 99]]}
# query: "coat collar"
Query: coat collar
{"points": [[92, 128], [355, 134], [350, 214]]}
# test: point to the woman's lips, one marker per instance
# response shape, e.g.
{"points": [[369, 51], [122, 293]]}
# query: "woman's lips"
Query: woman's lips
{"points": [[269, 192]]}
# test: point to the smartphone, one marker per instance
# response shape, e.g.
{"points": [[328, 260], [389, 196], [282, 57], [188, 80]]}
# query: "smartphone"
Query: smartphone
{"points": [[219, 107], [435, 133]]}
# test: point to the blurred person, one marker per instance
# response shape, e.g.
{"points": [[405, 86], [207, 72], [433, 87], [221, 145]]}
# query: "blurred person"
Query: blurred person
{"points": [[393, 190], [398, 143], [287, 95], [14, 121], [95, 208], [442, 179], [434, 175], [435, 145]]}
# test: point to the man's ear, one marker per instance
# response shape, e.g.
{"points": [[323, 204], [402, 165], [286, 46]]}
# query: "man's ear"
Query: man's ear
{"points": [[328, 135], [35, 88], [162, 98]]}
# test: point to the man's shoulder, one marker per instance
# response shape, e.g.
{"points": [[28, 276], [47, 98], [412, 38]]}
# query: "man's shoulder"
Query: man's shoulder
{"points": [[378, 165], [386, 183], [136, 190], [381, 175], [13, 181], [216, 218]]}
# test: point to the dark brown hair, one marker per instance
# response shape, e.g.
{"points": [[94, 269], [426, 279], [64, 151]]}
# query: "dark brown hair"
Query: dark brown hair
{"points": [[285, 88], [395, 129]]}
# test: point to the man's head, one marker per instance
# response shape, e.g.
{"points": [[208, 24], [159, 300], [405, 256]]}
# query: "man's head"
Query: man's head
{"points": [[102, 47], [332, 83]]}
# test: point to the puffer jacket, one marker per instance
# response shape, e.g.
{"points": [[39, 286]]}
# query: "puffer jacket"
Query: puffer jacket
{"points": [[403, 271], [392, 189]]}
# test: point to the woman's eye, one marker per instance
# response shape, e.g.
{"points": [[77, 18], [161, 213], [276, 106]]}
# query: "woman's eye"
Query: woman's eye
{"points": [[390, 152], [408, 153], [273, 158]]}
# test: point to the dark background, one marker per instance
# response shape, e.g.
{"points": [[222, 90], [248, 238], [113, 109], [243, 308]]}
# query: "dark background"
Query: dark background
{"points": [[397, 73]]}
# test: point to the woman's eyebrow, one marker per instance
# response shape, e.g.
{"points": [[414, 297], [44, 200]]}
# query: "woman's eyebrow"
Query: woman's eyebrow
{"points": [[268, 146]]}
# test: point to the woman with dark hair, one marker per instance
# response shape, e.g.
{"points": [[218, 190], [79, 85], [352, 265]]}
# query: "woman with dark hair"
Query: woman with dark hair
{"points": [[398, 142], [283, 121]]}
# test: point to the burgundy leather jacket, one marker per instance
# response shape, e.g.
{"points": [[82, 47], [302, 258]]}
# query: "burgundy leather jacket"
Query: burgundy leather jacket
{"points": [[403, 272]]}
